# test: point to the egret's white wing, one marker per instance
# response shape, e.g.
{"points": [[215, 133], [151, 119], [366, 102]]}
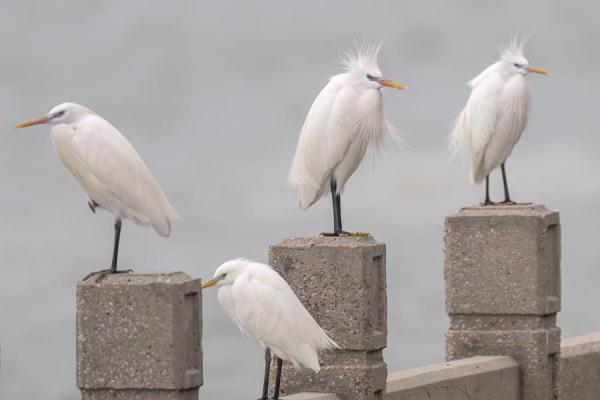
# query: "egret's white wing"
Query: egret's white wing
{"points": [[476, 124], [267, 308], [328, 131], [113, 174], [513, 107]]}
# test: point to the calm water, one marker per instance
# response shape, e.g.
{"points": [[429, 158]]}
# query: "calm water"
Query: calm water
{"points": [[213, 94]]}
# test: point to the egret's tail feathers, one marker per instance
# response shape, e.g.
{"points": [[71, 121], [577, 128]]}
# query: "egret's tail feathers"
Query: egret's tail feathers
{"points": [[309, 192], [163, 222], [478, 170]]}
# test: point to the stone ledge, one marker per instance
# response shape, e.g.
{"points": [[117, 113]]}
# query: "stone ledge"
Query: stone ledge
{"points": [[579, 368], [483, 378]]}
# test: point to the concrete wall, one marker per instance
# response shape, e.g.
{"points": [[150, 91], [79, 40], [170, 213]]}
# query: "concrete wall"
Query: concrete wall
{"points": [[579, 368], [484, 378]]}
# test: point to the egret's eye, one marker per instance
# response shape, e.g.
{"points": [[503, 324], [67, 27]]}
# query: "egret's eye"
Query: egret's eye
{"points": [[58, 114], [370, 77], [518, 65]]}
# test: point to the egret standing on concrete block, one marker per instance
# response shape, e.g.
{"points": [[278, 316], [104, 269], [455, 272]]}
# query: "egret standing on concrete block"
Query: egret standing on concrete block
{"points": [[495, 116], [264, 306], [343, 120], [108, 168]]}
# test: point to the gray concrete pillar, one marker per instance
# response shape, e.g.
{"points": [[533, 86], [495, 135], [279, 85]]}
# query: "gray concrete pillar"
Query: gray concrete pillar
{"points": [[502, 273], [341, 281], [139, 336]]}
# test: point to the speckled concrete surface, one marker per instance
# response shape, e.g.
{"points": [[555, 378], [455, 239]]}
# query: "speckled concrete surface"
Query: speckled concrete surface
{"points": [[502, 273], [579, 372], [342, 283], [139, 336], [503, 260]]}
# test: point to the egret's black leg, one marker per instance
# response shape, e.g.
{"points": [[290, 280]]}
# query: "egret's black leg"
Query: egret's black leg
{"points": [[265, 395], [92, 204], [337, 209], [338, 206], [113, 266], [277, 379], [487, 201], [507, 199]]}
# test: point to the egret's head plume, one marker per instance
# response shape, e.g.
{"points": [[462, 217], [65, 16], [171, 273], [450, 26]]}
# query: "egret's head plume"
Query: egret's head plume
{"points": [[515, 48], [363, 58], [362, 69], [513, 61]]}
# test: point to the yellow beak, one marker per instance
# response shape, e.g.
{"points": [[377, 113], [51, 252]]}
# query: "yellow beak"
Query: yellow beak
{"points": [[537, 70], [389, 83], [35, 121], [209, 283]]}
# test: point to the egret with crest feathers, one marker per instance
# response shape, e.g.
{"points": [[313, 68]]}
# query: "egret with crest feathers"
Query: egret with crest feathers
{"points": [[495, 116], [108, 168], [345, 118], [264, 306]]}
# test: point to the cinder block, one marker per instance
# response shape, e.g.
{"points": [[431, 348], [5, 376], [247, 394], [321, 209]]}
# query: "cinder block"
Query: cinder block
{"points": [[342, 283], [502, 273], [579, 371], [349, 374], [503, 260], [476, 378], [139, 336], [535, 349]]}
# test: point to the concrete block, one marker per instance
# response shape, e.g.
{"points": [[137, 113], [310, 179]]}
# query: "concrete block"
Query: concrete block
{"points": [[536, 351], [579, 368], [342, 283], [502, 274], [477, 378], [503, 260], [312, 396], [349, 374], [139, 336]]}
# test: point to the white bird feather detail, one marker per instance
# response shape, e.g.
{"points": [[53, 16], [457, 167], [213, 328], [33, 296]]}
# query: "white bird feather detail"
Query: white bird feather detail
{"points": [[344, 119], [264, 306], [495, 115], [110, 170]]}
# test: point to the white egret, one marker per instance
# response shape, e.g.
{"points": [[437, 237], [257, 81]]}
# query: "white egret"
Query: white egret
{"points": [[108, 168], [495, 116], [264, 306], [344, 119]]}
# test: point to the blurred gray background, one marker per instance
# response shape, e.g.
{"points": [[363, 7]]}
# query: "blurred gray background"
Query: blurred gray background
{"points": [[213, 96]]}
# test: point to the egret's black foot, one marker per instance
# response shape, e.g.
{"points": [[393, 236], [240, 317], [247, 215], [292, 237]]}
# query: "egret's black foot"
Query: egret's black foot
{"points": [[106, 272], [345, 233], [488, 203], [508, 202]]}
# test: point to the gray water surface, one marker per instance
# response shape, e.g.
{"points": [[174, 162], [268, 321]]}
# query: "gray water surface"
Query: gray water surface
{"points": [[213, 95]]}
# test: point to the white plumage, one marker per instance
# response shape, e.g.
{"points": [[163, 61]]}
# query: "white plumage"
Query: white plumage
{"points": [[108, 168], [264, 306], [345, 118], [496, 113]]}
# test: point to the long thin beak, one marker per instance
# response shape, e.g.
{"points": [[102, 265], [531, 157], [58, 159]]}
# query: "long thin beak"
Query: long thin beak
{"points": [[209, 283], [35, 121], [537, 70], [389, 83]]}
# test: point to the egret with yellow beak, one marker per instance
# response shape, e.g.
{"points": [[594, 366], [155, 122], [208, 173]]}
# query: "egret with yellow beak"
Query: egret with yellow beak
{"points": [[108, 168], [345, 118], [265, 307], [495, 116]]}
